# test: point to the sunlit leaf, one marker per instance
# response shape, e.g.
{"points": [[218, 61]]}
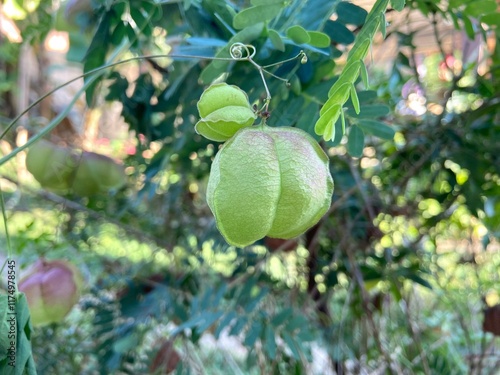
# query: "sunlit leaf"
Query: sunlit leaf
{"points": [[276, 40], [298, 34], [354, 98], [383, 25], [96, 54], [326, 124], [398, 4], [339, 129], [492, 19], [479, 7], [469, 27], [319, 39]]}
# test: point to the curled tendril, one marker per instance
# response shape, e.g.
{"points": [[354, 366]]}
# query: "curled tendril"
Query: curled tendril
{"points": [[303, 59], [240, 51]]}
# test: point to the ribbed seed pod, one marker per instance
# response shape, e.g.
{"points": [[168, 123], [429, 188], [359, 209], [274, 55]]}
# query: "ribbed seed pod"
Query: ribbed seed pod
{"points": [[52, 289], [268, 181], [51, 165], [97, 174], [224, 109]]}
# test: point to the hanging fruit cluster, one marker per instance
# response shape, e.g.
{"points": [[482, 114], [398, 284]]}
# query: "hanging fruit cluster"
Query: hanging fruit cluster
{"points": [[63, 169], [264, 181]]}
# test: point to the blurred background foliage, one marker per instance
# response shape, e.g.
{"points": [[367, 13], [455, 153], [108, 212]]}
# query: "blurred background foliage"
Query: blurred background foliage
{"points": [[401, 276]]}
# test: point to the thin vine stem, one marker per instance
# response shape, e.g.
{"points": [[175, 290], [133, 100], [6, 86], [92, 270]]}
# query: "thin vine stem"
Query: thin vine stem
{"points": [[238, 51], [97, 70]]}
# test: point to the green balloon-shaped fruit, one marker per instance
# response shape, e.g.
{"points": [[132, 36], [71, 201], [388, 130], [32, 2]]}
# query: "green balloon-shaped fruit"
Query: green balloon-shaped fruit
{"points": [[52, 288], [224, 109], [51, 165], [268, 182], [97, 174]]}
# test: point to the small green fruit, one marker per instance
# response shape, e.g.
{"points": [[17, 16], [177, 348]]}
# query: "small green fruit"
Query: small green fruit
{"points": [[51, 165], [268, 182], [97, 174], [224, 109], [52, 288]]}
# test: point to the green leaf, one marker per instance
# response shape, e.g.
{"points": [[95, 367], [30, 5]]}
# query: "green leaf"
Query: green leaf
{"points": [[23, 314], [339, 92], [96, 54], [306, 335], [308, 118], [209, 318], [326, 123], [295, 323], [469, 27], [224, 322], [377, 128], [24, 357], [492, 19], [241, 322], [117, 89], [230, 10], [319, 39], [339, 132], [342, 123], [281, 317], [355, 141], [298, 34], [383, 25], [364, 75], [354, 98], [370, 111], [351, 14], [338, 32], [270, 343], [276, 40], [398, 5], [256, 14], [119, 33], [477, 8]]}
